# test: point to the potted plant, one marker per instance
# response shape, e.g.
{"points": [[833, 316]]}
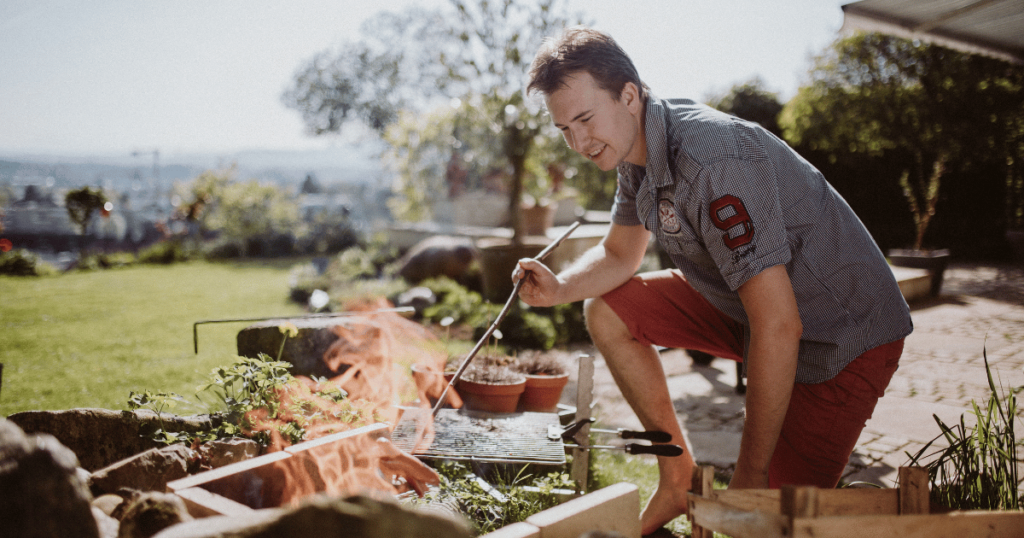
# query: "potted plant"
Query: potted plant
{"points": [[491, 386], [546, 377], [922, 195]]}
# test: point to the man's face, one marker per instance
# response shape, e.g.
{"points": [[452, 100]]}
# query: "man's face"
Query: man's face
{"points": [[601, 127]]}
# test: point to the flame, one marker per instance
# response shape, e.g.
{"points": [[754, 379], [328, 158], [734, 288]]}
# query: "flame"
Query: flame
{"points": [[375, 354]]}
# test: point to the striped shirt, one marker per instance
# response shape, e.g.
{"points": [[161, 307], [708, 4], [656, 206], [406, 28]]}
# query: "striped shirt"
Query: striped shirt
{"points": [[727, 200]]}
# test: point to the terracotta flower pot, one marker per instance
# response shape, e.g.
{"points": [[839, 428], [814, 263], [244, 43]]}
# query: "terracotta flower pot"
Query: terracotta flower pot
{"points": [[542, 393], [491, 397]]}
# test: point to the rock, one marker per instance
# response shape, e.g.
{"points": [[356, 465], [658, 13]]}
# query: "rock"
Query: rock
{"points": [[148, 471], [151, 513], [107, 503], [305, 351], [419, 298], [100, 437], [221, 452], [108, 526], [326, 517], [435, 256], [41, 494]]}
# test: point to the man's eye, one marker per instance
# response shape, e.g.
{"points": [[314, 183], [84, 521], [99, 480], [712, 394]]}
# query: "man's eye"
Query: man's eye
{"points": [[586, 119]]}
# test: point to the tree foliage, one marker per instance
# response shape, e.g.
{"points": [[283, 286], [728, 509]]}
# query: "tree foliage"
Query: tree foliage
{"points": [[82, 204], [753, 102], [240, 211], [406, 69], [930, 109]]}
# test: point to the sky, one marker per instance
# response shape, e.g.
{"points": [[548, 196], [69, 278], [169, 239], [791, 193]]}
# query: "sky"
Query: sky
{"points": [[109, 77]]}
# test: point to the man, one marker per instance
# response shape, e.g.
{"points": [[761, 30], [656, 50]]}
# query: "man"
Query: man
{"points": [[774, 269]]}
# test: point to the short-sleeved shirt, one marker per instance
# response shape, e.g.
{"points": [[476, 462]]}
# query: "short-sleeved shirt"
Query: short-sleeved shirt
{"points": [[727, 200]]}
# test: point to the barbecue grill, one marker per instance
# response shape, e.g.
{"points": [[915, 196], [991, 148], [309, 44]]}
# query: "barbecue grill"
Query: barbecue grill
{"points": [[478, 436]]}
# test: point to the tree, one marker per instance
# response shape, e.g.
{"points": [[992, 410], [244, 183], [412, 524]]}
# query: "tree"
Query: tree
{"points": [[82, 203], [242, 212], [930, 109], [753, 102], [478, 53]]}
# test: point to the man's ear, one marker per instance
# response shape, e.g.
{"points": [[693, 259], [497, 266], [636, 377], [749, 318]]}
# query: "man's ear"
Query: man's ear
{"points": [[630, 96]]}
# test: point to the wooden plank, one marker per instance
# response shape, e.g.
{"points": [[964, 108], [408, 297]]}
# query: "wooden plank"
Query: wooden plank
{"points": [[913, 490], [221, 472], [584, 397], [765, 500], [709, 514], [374, 431], [202, 503], [702, 484], [972, 524], [857, 501], [799, 501]]}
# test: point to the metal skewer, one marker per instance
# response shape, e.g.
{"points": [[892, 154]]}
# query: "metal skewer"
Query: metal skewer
{"points": [[501, 315]]}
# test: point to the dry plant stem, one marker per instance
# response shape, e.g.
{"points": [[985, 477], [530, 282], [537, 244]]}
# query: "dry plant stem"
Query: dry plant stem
{"points": [[504, 311]]}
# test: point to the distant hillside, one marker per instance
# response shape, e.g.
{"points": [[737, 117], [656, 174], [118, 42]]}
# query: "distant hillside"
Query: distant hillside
{"points": [[347, 164]]}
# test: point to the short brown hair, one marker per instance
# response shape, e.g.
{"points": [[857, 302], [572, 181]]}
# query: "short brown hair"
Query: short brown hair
{"points": [[583, 49]]}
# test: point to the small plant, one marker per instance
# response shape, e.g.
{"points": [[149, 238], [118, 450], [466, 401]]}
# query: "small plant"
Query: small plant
{"points": [[537, 363], [158, 402], [259, 399], [497, 375], [979, 468], [508, 499]]}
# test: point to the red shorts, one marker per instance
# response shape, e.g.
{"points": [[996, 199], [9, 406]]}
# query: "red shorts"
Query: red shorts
{"points": [[824, 420]]}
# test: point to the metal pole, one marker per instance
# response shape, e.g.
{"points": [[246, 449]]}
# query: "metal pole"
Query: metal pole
{"points": [[195, 326]]}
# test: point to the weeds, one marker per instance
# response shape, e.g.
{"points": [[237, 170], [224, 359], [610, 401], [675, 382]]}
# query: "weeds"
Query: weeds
{"points": [[510, 498], [979, 468]]}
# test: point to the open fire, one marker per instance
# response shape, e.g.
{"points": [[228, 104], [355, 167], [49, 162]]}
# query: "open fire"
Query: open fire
{"points": [[346, 448]]}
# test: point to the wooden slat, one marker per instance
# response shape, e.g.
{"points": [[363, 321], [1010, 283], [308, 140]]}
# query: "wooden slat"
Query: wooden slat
{"points": [[703, 486], [831, 502], [799, 501], [584, 397], [202, 503], [708, 514], [973, 524], [765, 500], [221, 472], [913, 491]]}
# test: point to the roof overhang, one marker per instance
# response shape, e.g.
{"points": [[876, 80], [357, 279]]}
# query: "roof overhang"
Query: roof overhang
{"points": [[991, 27]]}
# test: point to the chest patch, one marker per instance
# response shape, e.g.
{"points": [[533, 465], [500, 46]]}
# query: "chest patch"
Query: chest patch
{"points": [[668, 217]]}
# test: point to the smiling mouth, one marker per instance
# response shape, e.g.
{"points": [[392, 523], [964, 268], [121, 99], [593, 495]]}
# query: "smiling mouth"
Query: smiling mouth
{"points": [[596, 153]]}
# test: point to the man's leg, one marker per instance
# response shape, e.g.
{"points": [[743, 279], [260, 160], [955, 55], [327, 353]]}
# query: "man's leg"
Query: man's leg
{"points": [[662, 308], [825, 420]]}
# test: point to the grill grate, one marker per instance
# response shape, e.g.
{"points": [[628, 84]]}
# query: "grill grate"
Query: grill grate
{"points": [[485, 437]]}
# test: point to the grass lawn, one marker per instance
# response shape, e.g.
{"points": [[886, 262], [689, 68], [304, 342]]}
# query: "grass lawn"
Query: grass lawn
{"points": [[88, 339]]}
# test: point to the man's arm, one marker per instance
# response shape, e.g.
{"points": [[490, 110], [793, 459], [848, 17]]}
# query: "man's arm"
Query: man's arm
{"points": [[775, 329], [600, 269]]}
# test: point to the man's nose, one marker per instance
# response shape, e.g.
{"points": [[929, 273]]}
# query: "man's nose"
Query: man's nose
{"points": [[577, 139]]}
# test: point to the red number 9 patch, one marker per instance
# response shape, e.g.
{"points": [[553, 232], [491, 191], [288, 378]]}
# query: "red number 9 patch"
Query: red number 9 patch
{"points": [[737, 217]]}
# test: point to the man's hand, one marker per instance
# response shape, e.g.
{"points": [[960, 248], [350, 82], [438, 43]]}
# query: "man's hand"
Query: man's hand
{"points": [[540, 285]]}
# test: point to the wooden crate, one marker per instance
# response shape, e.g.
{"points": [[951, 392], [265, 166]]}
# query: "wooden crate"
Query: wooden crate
{"points": [[805, 512]]}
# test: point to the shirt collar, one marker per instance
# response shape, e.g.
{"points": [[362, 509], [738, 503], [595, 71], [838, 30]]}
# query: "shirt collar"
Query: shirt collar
{"points": [[655, 131]]}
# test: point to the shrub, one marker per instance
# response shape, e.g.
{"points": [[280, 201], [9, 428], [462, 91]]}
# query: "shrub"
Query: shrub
{"points": [[164, 252], [114, 260], [22, 262]]}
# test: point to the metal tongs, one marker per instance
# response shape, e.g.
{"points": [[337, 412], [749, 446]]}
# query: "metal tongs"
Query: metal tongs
{"points": [[501, 315], [568, 434]]}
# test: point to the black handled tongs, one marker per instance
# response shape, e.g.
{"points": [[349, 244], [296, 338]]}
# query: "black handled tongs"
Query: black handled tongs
{"points": [[568, 434]]}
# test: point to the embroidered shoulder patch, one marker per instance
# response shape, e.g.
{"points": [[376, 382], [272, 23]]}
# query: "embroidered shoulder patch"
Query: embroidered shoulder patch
{"points": [[730, 215], [667, 215]]}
